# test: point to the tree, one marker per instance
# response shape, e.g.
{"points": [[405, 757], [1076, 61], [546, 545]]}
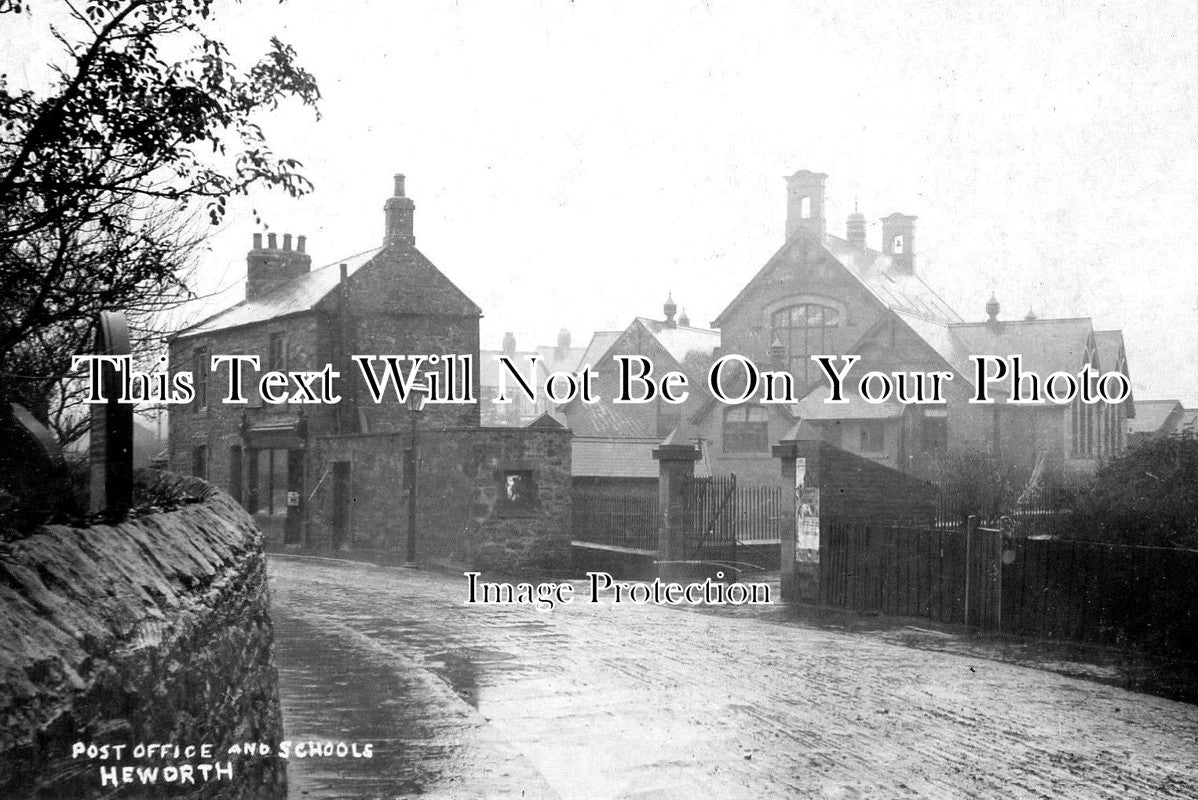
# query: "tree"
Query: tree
{"points": [[1147, 496], [101, 174]]}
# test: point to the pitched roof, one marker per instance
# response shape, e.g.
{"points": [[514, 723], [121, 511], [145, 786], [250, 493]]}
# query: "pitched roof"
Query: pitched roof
{"points": [[1188, 421], [1110, 348], [681, 341], [894, 288], [601, 341], [1154, 416], [419, 287], [296, 296], [607, 419], [603, 457], [566, 359], [1046, 345]]}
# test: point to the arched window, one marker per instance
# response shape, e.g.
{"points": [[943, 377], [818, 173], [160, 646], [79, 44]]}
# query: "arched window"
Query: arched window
{"points": [[805, 208], [898, 244], [803, 332], [746, 430]]}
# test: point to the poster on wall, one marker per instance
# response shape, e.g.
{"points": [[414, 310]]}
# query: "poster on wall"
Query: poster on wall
{"points": [[806, 516]]}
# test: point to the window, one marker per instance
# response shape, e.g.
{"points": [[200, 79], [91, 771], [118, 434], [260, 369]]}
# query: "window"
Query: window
{"points": [[517, 491], [235, 472], [898, 244], [270, 482], [803, 332], [746, 430], [276, 360], [873, 436], [805, 208], [199, 461], [935, 431], [199, 371]]}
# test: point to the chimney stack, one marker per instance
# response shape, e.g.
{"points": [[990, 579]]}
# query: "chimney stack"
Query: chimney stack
{"points": [[268, 268], [898, 241], [398, 212], [805, 205]]}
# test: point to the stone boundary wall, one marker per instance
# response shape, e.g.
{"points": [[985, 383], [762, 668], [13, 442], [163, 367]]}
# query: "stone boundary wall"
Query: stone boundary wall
{"points": [[155, 630], [463, 516]]}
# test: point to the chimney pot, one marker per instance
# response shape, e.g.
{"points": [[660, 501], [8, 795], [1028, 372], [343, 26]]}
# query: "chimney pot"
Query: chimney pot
{"points": [[286, 241], [399, 190], [257, 241], [272, 241], [344, 272], [301, 243]]}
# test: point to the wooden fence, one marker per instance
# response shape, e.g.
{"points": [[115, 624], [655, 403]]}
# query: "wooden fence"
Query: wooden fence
{"points": [[1081, 591]]}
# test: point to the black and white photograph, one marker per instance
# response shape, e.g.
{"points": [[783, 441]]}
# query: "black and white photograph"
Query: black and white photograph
{"points": [[584, 399]]}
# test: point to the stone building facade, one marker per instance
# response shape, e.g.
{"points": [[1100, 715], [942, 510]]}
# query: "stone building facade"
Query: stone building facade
{"points": [[292, 463], [821, 294]]}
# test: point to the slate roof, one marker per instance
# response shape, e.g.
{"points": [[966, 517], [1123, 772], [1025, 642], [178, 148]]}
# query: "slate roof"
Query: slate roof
{"points": [[894, 288], [1153, 416], [604, 418], [600, 343], [294, 297], [565, 360], [413, 272], [681, 341], [1110, 346], [603, 457], [1046, 345]]}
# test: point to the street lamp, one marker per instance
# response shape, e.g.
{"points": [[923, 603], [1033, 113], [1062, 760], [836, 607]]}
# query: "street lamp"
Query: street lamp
{"points": [[417, 397]]}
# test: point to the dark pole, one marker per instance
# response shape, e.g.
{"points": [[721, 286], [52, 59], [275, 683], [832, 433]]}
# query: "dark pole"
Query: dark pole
{"points": [[412, 459]]}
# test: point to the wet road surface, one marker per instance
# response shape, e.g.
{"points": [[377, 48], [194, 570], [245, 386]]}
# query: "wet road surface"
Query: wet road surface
{"points": [[599, 701]]}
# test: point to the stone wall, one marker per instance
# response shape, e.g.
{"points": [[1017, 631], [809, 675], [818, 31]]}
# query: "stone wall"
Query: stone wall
{"points": [[151, 631], [462, 511]]}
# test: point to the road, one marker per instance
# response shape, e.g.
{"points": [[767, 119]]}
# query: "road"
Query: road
{"points": [[603, 701]]}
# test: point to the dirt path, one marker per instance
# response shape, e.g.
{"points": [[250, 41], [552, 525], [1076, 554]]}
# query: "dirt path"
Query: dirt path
{"points": [[640, 701]]}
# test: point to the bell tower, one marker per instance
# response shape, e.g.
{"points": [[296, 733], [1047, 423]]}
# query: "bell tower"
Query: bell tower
{"points": [[805, 204]]}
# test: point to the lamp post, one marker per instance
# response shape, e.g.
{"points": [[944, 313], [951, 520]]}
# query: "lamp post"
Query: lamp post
{"points": [[417, 396]]}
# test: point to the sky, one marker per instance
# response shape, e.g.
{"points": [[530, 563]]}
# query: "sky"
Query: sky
{"points": [[572, 163]]}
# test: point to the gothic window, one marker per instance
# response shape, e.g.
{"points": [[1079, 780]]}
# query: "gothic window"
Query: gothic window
{"points": [[803, 332], [746, 430]]}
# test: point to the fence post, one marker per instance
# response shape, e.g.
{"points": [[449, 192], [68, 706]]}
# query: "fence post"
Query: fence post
{"points": [[971, 525], [676, 465]]}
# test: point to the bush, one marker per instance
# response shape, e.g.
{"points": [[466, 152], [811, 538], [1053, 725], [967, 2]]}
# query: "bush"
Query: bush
{"points": [[1147, 496]]}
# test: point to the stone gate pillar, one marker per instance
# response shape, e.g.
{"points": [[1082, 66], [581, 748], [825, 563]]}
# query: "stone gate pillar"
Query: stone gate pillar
{"points": [[676, 465], [799, 455]]}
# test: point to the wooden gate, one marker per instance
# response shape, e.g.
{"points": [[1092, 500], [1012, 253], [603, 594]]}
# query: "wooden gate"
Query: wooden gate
{"points": [[947, 574]]}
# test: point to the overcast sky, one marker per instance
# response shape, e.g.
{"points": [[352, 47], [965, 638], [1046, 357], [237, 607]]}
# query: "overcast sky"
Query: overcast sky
{"points": [[571, 163]]}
